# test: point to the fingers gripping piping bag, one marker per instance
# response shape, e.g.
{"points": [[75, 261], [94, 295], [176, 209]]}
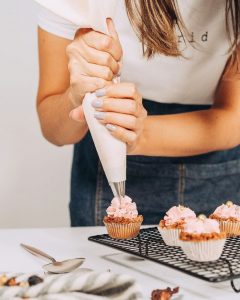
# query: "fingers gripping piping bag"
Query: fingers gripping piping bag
{"points": [[112, 152]]}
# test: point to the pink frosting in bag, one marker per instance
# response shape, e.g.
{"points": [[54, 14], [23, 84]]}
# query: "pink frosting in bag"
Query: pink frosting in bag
{"points": [[178, 213], [201, 226], [228, 211], [124, 208]]}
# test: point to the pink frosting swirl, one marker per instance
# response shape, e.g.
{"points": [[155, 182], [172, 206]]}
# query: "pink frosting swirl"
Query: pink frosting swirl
{"points": [[228, 211], [178, 213], [124, 208], [199, 226]]}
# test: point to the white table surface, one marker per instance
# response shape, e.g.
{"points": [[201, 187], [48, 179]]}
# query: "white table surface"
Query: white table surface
{"points": [[63, 243]]}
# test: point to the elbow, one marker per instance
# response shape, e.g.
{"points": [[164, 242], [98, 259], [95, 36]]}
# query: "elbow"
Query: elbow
{"points": [[230, 145], [231, 133], [48, 132], [51, 138]]}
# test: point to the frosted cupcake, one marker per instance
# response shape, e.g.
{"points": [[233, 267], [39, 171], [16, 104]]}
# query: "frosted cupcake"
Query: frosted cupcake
{"points": [[228, 216], [172, 224], [201, 239], [122, 220]]}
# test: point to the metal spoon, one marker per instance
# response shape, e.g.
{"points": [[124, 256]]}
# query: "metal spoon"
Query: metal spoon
{"points": [[57, 267]]}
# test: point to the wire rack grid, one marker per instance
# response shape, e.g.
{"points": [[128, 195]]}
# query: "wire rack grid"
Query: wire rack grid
{"points": [[149, 244]]}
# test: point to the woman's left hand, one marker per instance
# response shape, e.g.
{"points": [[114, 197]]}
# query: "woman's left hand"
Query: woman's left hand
{"points": [[119, 107]]}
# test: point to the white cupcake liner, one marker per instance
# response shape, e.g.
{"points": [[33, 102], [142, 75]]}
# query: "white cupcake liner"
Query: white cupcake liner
{"points": [[231, 228], [123, 231], [170, 236], [203, 250]]}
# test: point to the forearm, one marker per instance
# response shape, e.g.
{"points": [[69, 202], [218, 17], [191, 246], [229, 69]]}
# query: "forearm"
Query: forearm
{"points": [[56, 125], [189, 134]]}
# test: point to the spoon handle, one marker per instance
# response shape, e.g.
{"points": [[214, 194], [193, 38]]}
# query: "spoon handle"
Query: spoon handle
{"points": [[37, 252]]}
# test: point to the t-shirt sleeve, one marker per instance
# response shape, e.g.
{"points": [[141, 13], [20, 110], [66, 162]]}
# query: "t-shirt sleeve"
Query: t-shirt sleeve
{"points": [[56, 25]]}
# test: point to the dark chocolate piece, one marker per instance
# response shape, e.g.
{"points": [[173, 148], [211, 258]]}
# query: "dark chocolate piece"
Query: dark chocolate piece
{"points": [[33, 280]]}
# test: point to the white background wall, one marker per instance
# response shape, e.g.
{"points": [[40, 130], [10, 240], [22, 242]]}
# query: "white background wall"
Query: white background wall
{"points": [[34, 175]]}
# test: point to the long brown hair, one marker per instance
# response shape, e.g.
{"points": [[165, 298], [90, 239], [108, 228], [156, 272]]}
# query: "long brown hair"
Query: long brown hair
{"points": [[155, 22]]}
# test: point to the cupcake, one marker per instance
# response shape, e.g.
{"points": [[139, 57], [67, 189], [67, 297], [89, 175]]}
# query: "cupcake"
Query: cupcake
{"points": [[201, 239], [228, 216], [122, 220], [172, 224]]}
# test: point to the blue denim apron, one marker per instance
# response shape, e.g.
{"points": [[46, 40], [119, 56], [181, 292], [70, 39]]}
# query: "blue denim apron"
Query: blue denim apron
{"points": [[155, 183]]}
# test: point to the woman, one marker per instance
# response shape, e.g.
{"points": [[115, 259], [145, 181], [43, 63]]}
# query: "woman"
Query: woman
{"points": [[182, 138]]}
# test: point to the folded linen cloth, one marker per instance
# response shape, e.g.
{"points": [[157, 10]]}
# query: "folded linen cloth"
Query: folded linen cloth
{"points": [[77, 285]]}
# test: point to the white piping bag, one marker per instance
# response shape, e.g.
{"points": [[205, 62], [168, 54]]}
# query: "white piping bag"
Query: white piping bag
{"points": [[111, 151]]}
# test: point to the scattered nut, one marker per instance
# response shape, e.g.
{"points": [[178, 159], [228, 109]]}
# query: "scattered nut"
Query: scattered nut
{"points": [[165, 294], [11, 282], [23, 284], [3, 279]]}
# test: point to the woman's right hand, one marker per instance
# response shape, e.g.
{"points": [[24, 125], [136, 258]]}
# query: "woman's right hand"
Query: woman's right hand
{"points": [[94, 59]]}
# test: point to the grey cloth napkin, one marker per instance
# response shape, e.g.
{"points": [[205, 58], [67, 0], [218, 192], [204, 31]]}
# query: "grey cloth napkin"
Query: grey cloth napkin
{"points": [[77, 285]]}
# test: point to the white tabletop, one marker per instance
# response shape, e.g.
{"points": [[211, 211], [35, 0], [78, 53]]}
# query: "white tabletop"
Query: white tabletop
{"points": [[63, 243]]}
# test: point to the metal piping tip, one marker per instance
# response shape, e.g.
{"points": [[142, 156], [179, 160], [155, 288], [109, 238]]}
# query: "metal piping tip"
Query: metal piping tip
{"points": [[118, 188]]}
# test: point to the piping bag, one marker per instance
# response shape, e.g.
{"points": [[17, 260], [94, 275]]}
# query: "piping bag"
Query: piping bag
{"points": [[111, 151]]}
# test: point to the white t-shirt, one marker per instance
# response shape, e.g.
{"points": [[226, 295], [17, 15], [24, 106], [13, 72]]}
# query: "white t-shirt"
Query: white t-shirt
{"points": [[189, 80]]}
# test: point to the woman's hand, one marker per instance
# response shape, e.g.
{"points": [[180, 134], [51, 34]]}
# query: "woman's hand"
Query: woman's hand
{"points": [[93, 62], [119, 107]]}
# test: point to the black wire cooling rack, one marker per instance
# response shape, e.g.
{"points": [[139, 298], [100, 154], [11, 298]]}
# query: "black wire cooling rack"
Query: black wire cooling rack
{"points": [[149, 244]]}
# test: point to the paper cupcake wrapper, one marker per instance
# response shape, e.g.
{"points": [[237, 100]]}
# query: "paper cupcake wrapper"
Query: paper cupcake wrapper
{"points": [[170, 236], [203, 250], [231, 228], [123, 231]]}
